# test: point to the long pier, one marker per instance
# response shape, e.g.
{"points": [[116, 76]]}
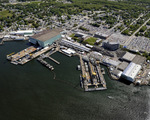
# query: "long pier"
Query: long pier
{"points": [[53, 60], [2, 42], [36, 54]]}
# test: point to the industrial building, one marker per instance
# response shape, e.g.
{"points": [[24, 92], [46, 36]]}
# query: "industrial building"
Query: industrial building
{"points": [[110, 45], [74, 45], [46, 37], [100, 35], [117, 73], [109, 62], [131, 72], [139, 59], [98, 56], [128, 57], [123, 65], [23, 32]]}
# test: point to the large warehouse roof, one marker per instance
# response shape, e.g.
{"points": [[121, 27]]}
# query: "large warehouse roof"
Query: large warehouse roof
{"points": [[47, 34], [128, 56], [132, 70]]}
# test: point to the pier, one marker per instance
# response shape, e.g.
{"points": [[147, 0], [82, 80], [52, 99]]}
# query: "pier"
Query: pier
{"points": [[21, 54], [2, 42], [54, 60], [34, 55], [45, 63]]}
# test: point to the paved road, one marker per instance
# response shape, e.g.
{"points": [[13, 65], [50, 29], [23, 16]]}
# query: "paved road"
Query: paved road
{"points": [[133, 35], [133, 22]]}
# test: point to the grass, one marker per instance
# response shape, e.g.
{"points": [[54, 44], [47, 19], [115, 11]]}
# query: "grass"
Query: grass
{"points": [[5, 13], [72, 35], [90, 40]]}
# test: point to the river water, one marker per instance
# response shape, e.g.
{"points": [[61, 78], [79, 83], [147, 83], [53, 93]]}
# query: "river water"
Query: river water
{"points": [[29, 92]]}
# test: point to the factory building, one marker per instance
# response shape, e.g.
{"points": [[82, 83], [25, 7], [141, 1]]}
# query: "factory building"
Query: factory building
{"points": [[23, 32], [128, 57], [110, 45], [46, 37], [109, 62], [131, 72], [100, 35], [74, 45], [98, 56]]}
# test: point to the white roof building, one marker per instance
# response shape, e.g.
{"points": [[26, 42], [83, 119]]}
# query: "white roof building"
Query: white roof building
{"points": [[131, 71], [22, 32]]}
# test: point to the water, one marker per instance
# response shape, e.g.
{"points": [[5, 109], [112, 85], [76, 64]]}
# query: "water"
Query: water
{"points": [[29, 92]]}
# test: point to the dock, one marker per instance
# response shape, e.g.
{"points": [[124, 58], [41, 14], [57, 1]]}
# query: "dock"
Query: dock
{"points": [[2, 42], [34, 55], [101, 77], [54, 60], [45, 63], [91, 77], [21, 54]]}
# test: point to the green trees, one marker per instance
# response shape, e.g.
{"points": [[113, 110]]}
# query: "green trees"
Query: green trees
{"points": [[143, 29]]}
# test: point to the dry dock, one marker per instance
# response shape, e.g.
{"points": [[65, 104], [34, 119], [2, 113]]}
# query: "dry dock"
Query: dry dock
{"points": [[91, 77]]}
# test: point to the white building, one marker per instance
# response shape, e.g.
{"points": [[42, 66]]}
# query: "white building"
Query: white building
{"points": [[22, 32], [131, 71]]}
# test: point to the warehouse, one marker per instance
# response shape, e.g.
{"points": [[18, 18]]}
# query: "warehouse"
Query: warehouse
{"points": [[46, 37], [128, 57], [23, 32], [74, 45], [131, 72]]}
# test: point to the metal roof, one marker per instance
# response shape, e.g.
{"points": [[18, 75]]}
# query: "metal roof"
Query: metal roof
{"points": [[47, 34], [132, 70]]}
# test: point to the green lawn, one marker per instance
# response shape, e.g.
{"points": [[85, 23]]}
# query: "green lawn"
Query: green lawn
{"points": [[90, 40], [5, 13], [72, 35]]}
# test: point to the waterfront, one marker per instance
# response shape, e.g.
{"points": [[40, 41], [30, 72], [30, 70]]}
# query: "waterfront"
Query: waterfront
{"points": [[29, 92]]}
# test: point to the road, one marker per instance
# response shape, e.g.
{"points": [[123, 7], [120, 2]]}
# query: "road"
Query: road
{"points": [[133, 35], [141, 15], [108, 31]]}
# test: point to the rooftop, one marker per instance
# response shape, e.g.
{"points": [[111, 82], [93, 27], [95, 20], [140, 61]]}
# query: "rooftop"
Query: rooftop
{"points": [[123, 65], [132, 70], [47, 34], [139, 59], [128, 56]]}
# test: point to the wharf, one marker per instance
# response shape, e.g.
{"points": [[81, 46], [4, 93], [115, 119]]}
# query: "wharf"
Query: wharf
{"points": [[54, 60], [2, 42], [36, 54], [101, 76], [45, 63], [21, 54], [41, 51]]}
